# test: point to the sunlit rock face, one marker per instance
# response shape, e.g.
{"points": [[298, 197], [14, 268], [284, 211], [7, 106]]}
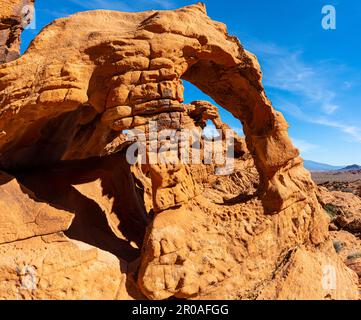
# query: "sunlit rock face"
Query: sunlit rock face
{"points": [[152, 230]]}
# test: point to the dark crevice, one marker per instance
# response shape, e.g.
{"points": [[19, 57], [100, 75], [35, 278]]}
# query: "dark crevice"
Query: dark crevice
{"points": [[57, 185]]}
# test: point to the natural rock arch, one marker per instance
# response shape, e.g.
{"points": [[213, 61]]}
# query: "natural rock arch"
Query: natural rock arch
{"points": [[71, 95], [185, 41]]}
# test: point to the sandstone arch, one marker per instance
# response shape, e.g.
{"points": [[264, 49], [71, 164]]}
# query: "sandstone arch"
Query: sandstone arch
{"points": [[72, 94], [185, 41]]}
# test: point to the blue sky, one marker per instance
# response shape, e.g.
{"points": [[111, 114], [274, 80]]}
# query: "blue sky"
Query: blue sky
{"points": [[312, 75]]}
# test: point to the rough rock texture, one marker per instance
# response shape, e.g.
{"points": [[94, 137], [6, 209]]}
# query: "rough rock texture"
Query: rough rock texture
{"points": [[65, 108], [348, 246], [14, 16], [120, 68], [344, 208], [39, 262], [353, 186]]}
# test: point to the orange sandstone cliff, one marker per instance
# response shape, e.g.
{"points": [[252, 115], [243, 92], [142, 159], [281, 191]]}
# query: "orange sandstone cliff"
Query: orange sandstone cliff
{"points": [[78, 221]]}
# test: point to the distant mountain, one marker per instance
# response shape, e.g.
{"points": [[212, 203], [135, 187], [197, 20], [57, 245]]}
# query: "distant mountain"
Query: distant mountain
{"points": [[351, 168], [317, 166]]}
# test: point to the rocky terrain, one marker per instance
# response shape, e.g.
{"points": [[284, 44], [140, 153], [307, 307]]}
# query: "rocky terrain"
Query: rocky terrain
{"points": [[345, 181], [344, 209], [78, 221], [340, 196]]}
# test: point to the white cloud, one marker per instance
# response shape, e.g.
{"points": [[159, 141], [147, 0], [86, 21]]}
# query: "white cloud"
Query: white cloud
{"points": [[294, 110], [352, 131], [329, 108], [303, 145], [288, 72], [313, 86], [290, 108]]}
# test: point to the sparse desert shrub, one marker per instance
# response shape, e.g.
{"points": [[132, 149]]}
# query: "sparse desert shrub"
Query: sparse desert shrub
{"points": [[337, 245], [331, 210], [354, 255]]}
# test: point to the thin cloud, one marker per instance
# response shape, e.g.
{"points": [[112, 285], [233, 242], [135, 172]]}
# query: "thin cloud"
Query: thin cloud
{"points": [[330, 108], [352, 131], [124, 5], [166, 4], [291, 74], [347, 85], [109, 5], [291, 108], [102, 4], [304, 146], [311, 85], [56, 14], [294, 110]]}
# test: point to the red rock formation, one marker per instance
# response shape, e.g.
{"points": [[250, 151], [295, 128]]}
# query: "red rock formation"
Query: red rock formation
{"points": [[261, 235], [39, 262], [344, 209]]}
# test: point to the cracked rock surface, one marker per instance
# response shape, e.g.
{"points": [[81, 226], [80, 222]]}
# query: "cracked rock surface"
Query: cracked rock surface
{"points": [[85, 224]]}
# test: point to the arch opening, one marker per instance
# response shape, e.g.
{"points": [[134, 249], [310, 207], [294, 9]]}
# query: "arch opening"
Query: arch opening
{"points": [[237, 88], [192, 93]]}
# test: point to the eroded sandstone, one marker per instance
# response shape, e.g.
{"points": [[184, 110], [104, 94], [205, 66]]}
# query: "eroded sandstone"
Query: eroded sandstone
{"points": [[181, 231]]}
